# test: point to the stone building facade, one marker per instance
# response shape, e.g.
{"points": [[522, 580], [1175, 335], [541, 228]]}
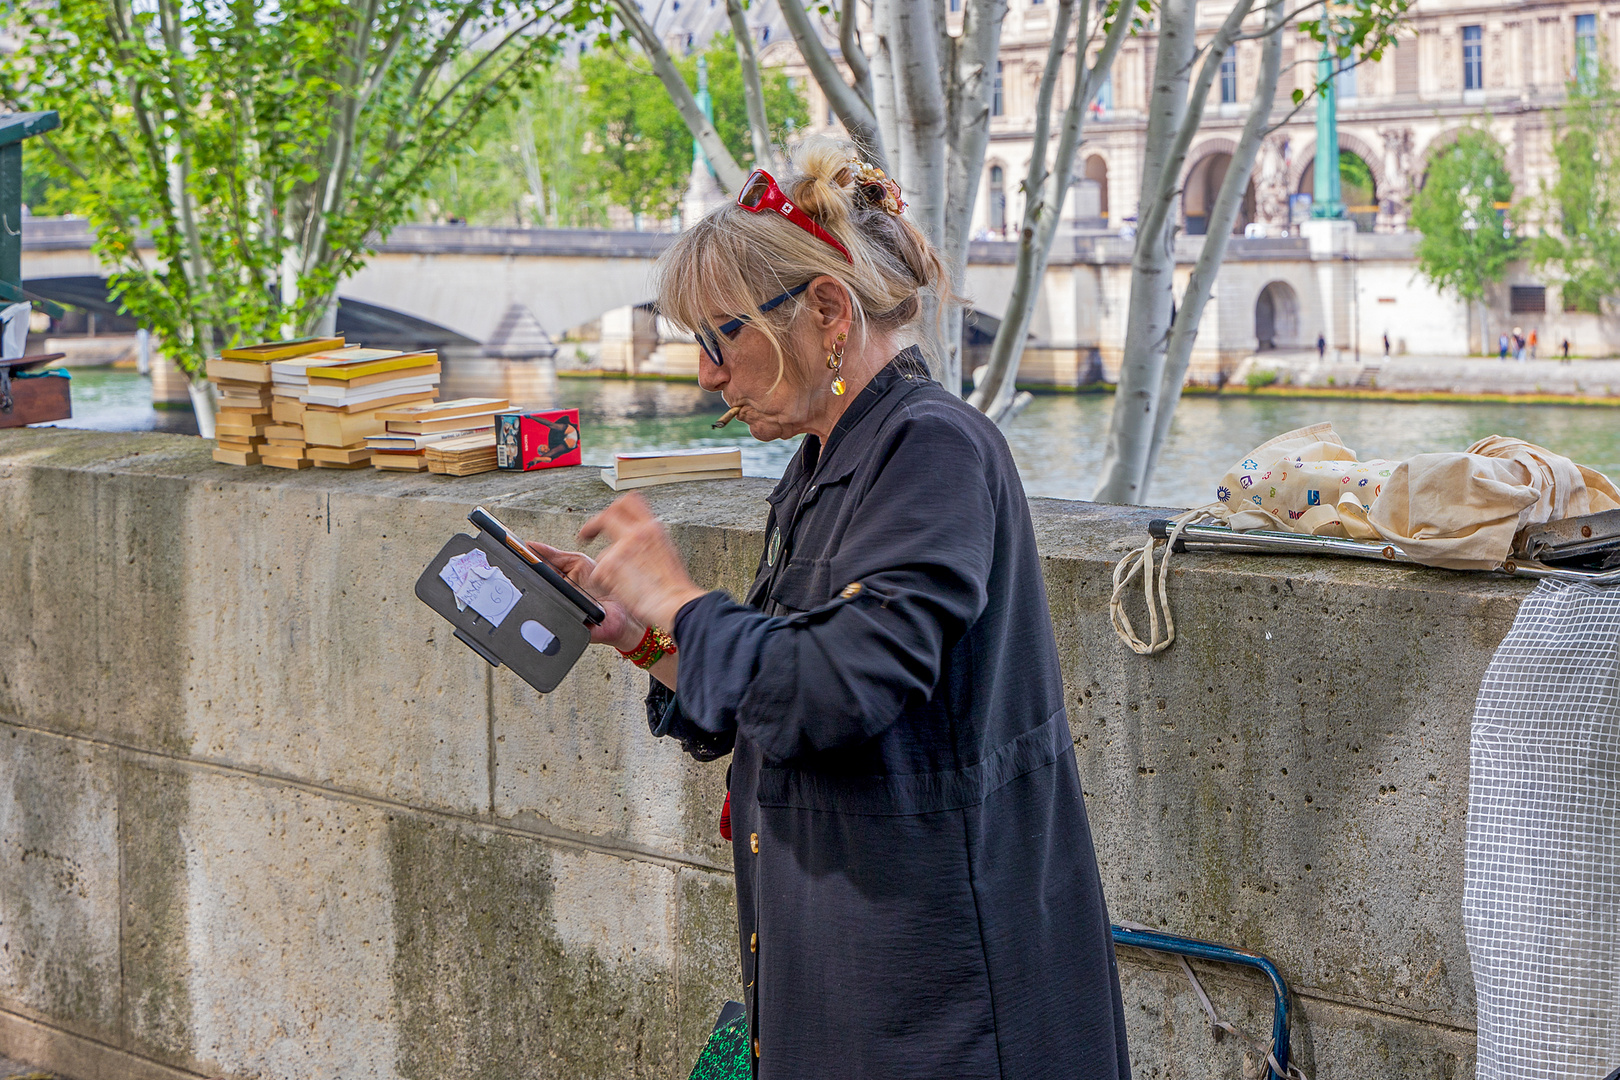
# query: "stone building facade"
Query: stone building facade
{"points": [[1459, 63]]}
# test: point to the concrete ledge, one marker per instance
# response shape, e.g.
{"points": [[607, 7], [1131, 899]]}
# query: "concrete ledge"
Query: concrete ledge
{"points": [[344, 846], [73, 1055]]}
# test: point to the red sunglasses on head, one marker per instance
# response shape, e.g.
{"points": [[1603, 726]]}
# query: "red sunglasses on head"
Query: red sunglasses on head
{"points": [[759, 193]]}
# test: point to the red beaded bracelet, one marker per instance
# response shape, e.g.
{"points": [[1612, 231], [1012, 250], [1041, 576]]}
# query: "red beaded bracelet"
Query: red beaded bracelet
{"points": [[655, 645]]}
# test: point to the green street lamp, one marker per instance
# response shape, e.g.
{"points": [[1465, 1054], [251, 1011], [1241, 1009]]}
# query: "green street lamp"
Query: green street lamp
{"points": [[1327, 200]]}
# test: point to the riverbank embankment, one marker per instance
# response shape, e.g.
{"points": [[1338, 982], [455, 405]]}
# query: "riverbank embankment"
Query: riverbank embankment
{"points": [[264, 816], [1432, 377]]}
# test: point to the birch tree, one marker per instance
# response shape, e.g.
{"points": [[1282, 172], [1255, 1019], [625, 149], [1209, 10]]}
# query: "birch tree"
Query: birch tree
{"points": [[261, 149], [1160, 333], [915, 99], [1045, 189], [917, 105]]}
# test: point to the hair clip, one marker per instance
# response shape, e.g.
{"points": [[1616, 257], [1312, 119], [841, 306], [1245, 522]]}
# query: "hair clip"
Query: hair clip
{"points": [[879, 189]]}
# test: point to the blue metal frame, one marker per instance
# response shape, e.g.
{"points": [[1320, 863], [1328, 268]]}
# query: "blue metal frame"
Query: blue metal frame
{"points": [[1224, 954]]}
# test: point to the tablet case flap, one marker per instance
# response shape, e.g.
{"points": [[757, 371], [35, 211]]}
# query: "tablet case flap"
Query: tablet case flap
{"points": [[541, 614]]}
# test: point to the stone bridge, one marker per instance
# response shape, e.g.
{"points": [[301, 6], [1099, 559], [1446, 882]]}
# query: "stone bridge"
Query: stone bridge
{"points": [[505, 290]]}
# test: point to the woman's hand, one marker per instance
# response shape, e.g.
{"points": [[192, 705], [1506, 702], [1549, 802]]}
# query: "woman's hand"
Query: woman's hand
{"points": [[618, 627], [640, 564]]}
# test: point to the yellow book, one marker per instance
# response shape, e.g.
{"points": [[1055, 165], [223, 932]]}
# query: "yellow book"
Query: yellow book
{"points": [[235, 457], [340, 429], [247, 371], [446, 410], [339, 455], [362, 367], [281, 350]]}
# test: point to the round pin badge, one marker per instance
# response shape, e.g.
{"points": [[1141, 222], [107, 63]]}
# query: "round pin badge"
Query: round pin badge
{"points": [[775, 547]]}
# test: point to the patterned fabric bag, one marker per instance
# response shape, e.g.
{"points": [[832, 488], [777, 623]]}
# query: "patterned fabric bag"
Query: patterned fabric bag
{"points": [[1306, 481]]}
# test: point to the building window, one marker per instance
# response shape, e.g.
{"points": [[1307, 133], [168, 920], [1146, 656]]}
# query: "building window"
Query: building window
{"points": [[1229, 76], [1527, 299], [998, 200], [1586, 48], [1473, 58], [997, 106], [956, 5]]}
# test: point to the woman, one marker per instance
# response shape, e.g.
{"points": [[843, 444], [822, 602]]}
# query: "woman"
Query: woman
{"points": [[917, 892]]}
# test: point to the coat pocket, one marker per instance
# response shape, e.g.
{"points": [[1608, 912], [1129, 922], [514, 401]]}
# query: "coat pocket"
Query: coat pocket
{"points": [[917, 793]]}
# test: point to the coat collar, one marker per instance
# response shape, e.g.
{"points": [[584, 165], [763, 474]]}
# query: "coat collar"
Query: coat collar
{"points": [[844, 450]]}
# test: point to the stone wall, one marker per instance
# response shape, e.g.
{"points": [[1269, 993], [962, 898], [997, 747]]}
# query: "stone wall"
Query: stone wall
{"points": [[262, 816]]}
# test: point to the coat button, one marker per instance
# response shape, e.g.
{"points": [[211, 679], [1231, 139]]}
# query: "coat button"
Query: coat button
{"points": [[753, 943], [753, 842], [756, 1048], [811, 493], [850, 590]]}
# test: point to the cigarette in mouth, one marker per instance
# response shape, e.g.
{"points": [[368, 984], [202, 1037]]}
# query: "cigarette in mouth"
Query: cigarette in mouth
{"points": [[730, 415]]}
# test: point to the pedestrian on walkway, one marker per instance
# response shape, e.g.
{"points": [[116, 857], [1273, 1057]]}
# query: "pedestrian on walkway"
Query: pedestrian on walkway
{"points": [[1566, 350], [917, 892], [1518, 344], [1501, 346], [1321, 347], [1533, 342], [1386, 344]]}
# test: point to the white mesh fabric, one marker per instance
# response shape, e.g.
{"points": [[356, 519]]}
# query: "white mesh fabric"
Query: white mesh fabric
{"points": [[1541, 894]]}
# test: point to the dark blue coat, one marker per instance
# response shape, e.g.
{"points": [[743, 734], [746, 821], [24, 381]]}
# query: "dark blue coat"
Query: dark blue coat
{"points": [[917, 892]]}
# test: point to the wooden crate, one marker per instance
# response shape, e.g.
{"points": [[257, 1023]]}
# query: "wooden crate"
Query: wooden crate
{"points": [[36, 400]]}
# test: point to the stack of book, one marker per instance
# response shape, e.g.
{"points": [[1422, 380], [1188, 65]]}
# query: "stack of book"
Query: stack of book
{"points": [[342, 399], [241, 377], [636, 470], [413, 429], [464, 455], [285, 447]]}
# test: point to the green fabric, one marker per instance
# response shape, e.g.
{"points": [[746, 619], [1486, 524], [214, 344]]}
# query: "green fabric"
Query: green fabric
{"points": [[727, 1056]]}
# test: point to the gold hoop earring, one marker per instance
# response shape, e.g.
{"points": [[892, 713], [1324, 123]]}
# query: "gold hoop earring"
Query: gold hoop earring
{"points": [[835, 361]]}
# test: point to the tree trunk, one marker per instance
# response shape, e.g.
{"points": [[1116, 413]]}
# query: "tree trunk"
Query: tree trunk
{"points": [[725, 166], [202, 407], [758, 129], [855, 112], [888, 129], [1221, 219], [967, 125], [1035, 239], [1041, 190], [920, 116], [1147, 327]]}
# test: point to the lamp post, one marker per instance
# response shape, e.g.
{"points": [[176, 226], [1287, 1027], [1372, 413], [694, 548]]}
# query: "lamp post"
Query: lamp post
{"points": [[1327, 201], [705, 102]]}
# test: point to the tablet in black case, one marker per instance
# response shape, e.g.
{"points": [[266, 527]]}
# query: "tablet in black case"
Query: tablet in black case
{"points": [[540, 637]]}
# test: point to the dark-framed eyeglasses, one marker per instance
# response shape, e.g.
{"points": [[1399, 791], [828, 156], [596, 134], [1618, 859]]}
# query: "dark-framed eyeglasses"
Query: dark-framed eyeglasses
{"points": [[709, 341]]}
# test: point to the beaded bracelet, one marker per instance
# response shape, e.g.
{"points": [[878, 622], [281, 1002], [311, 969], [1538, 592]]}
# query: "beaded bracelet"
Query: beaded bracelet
{"points": [[655, 645]]}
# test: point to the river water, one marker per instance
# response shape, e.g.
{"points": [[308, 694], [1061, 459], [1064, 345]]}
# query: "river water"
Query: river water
{"points": [[1057, 442]]}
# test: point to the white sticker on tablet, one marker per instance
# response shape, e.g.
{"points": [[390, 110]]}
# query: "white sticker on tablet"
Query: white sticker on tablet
{"points": [[480, 586]]}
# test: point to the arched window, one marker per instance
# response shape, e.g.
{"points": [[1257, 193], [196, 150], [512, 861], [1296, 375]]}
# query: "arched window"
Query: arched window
{"points": [[998, 200]]}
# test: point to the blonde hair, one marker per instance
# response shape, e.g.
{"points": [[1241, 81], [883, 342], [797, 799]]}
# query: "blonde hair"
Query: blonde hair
{"points": [[734, 260]]}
